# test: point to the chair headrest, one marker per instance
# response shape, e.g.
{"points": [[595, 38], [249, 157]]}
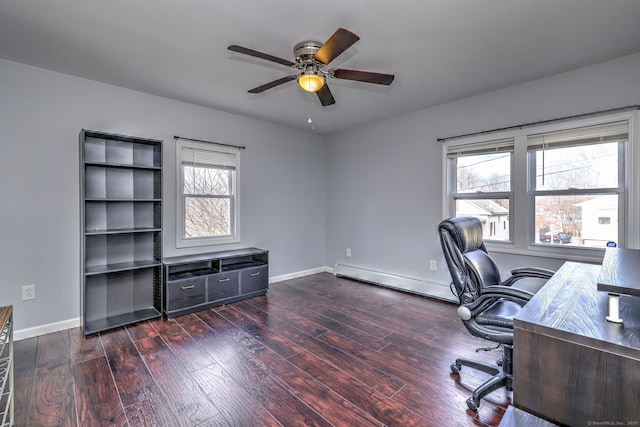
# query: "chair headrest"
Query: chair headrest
{"points": [[466, 232]]}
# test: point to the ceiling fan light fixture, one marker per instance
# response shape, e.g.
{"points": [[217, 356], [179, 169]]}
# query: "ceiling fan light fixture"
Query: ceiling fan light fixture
{"points": [[311, 57], [311, 81]]}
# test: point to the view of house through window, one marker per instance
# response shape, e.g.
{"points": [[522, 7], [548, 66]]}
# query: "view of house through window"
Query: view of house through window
{"points": [[577, 185], [482, 176], [575, 180]]}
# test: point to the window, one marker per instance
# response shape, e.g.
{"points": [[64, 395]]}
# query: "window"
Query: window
{"points": [[207, 195], [569, 187], [577, 185], [480, 185]]}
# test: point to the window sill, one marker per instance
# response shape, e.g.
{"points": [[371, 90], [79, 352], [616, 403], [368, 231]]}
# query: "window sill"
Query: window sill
{"points": [[194, 243], [590, 255]]}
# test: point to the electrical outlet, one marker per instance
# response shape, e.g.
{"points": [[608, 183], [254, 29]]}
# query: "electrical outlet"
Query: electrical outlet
{"points": [[432, 265], [348, 252], [28, 292]]}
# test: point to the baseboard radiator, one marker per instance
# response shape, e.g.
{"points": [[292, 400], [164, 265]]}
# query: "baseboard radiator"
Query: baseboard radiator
{"points": [[406, 284]]}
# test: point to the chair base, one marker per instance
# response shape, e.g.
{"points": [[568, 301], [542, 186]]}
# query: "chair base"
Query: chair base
{"points": [[502, 376]]}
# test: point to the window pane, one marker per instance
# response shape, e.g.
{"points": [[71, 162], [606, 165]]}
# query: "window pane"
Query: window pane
{"points": [[588, 221], [199, 180], [207, 217], [583, 167], [492, 213], [483, 173]]}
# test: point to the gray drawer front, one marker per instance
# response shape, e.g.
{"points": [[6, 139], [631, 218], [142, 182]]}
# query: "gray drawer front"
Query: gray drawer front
{"points": [[222, 285], [186, 293], [254, 279]]}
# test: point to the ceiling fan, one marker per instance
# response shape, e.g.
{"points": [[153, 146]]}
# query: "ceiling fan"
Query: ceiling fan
{"points": [[311, 57]]}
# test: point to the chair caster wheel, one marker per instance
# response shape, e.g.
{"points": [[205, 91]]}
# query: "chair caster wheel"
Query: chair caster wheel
{"points": [[473, 405], [455, 368], [499, 362]]}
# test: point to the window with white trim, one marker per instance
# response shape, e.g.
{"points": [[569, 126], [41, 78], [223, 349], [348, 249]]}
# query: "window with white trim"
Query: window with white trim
{"points": [[577, 181], [569, 187], [480, 184], [208, 192]]}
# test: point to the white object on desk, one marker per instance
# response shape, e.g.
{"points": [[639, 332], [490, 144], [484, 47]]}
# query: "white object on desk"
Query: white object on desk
{"points": [[619, 275], [614, 309]]}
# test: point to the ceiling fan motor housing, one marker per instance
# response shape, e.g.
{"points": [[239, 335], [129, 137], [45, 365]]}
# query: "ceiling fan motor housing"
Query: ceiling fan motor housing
{"points": [[304, 51]]}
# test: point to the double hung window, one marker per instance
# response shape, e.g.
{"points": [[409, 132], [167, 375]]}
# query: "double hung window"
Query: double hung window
{"points": [[208, 195], [480, 184], [576, 180], [569, 187]]}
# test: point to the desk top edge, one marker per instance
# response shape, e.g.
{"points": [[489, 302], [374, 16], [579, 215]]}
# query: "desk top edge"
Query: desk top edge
{"points": [[620, 272], [570, 307]]}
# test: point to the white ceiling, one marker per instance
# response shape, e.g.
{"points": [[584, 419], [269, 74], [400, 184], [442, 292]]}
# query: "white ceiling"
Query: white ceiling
{"points": [[439, 50]]}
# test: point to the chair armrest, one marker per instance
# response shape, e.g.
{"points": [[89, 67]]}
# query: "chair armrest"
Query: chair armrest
{"points": [[506, 292], [528, 273], [491, 294], [543, 273]]}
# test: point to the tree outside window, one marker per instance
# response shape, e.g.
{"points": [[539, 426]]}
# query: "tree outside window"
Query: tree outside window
{"points": [[207, 194]]}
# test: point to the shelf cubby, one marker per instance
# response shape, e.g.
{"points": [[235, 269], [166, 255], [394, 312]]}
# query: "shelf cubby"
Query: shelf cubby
{"points": [[122, 150], [115, 183], [102, 215], [108, 249]]}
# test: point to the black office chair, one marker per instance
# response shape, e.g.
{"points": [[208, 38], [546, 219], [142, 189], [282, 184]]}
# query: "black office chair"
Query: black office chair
{"points": [[487, 304]]}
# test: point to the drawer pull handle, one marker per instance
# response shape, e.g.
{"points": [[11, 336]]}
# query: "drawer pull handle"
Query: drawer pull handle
{"points": [[226, 279], [184, 288], [254, 274]]}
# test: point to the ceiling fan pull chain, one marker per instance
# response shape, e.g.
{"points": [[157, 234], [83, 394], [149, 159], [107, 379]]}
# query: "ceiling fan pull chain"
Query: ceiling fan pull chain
{"points": [[313, 127]]}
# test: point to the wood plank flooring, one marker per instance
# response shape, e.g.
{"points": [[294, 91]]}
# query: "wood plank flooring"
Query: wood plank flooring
{"points": [[315, 351]]}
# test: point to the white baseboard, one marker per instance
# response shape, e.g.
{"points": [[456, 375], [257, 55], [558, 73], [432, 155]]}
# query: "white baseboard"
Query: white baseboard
{"points": [[45, 329], [276, 279], [407, 284]]}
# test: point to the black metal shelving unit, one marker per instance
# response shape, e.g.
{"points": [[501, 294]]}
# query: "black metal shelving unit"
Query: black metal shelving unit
{"points": [[121, 230]]}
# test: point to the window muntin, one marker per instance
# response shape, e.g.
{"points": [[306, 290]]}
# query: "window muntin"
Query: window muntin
{"points": [[207, 193]]}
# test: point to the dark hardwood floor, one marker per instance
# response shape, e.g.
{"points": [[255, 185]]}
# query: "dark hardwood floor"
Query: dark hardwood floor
{"points": [[318, 350]]}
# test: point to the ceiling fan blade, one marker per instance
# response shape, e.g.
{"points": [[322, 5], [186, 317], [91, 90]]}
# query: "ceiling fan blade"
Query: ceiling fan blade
{"points": [[261, 55], [325, 96], [362, 76], [340, 41], [273, 84]]}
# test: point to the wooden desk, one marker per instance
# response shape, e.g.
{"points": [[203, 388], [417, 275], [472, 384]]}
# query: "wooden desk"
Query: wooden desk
{"points": [[570, 365]]}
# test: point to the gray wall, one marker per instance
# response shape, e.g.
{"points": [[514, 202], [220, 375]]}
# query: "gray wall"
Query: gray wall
{"points": [[384, 181], [41, 115], [375, 190]]}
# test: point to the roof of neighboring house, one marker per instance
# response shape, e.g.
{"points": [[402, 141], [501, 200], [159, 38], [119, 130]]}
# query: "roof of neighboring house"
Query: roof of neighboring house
{"points": [[606, 202], [480, 207]]}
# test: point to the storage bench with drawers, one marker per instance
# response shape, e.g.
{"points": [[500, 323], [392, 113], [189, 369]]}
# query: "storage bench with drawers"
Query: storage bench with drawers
{"points": [[196, 282]]}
